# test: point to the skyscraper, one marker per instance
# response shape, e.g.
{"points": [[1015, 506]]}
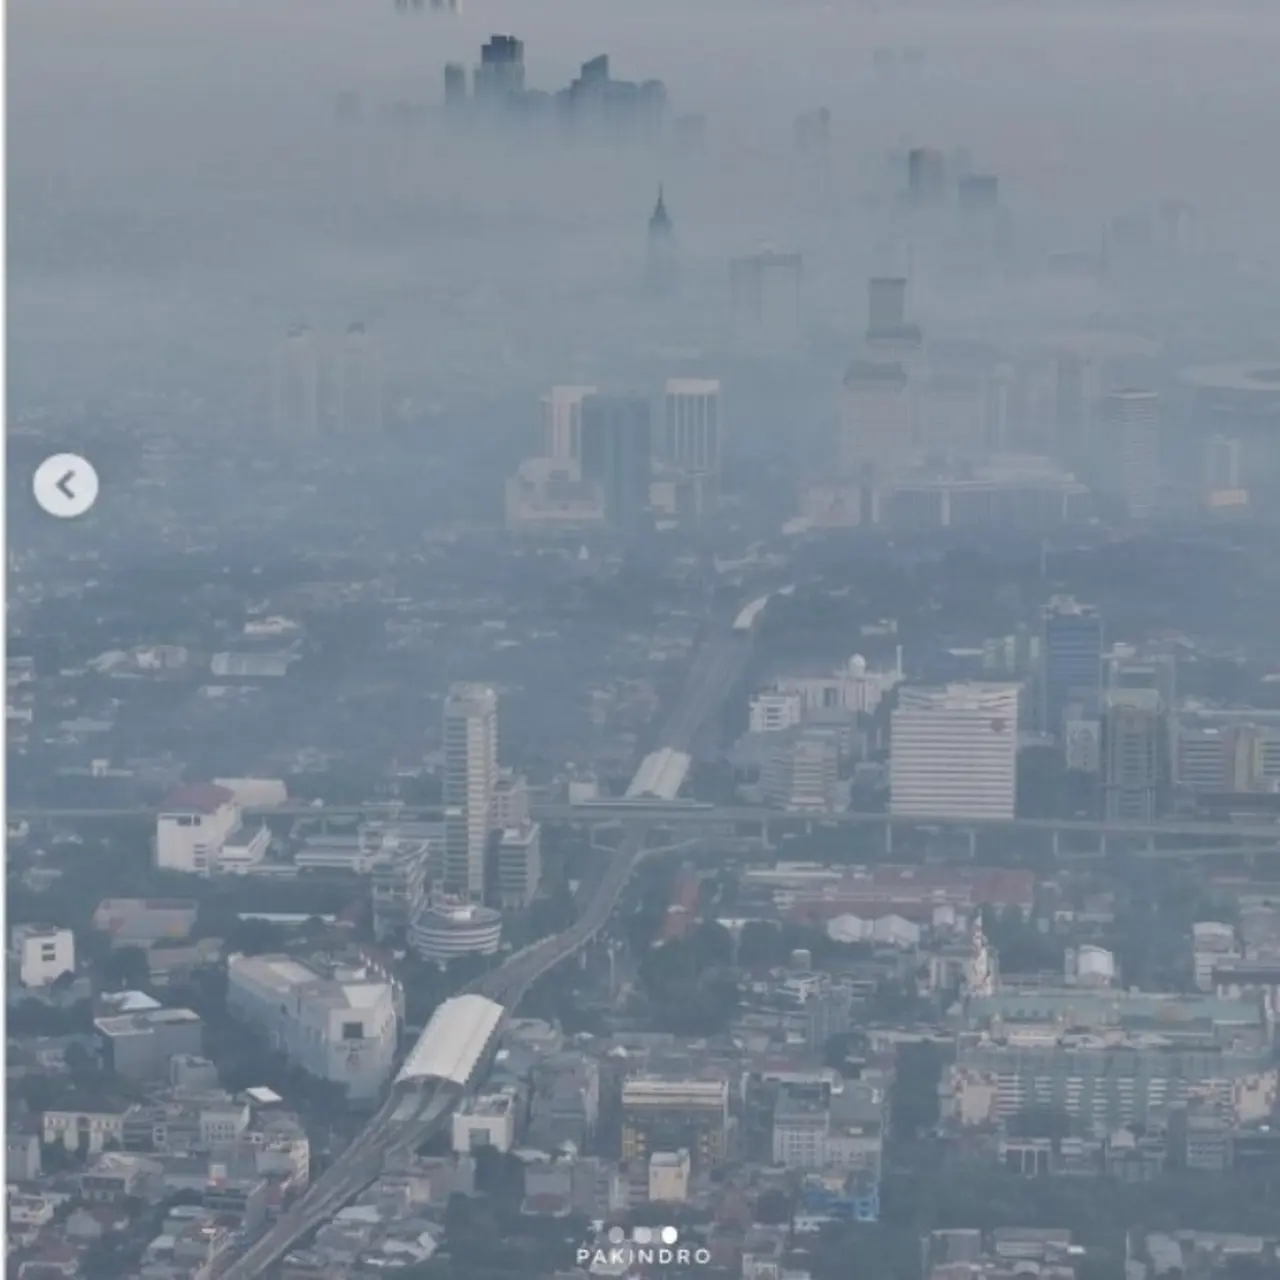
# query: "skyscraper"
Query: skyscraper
{"points": [[359, 384], [1136, 755], [501, 69], [470, 779], [617, 454], [877, 425], [661, 251], [954, 752], [1071, 654], [295, 386], [1131, 449], [926, 176], [561, 411], [691, 428], [455, 84]]}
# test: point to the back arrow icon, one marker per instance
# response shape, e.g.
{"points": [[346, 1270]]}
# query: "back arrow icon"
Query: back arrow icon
{"points": [[64, 486]]}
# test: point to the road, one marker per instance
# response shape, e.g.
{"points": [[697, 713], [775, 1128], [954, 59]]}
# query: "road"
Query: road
{"points": [[407, 1118]]}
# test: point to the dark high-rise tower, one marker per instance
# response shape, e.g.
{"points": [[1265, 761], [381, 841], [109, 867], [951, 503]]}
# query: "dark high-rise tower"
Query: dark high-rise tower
{"points": [[662, 246], [501, 69], [1071, 657], [617, 454]]}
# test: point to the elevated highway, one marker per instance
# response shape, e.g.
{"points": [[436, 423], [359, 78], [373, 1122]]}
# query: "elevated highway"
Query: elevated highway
{"points": [[415, 1109]]}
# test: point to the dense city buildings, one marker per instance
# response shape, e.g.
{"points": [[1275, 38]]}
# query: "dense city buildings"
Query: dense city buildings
{"points": [[713, 704]]}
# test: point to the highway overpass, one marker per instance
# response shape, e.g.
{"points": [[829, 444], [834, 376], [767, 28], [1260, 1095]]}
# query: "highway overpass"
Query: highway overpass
{"points": [[417, 1106]]}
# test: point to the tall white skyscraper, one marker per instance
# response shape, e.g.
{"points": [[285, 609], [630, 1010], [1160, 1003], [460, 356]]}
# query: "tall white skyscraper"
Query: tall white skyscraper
{"points": [[359, 384], [470, 780], [954, 752], [692, 429], [296, 385], [562, 423], [1131, 447]]}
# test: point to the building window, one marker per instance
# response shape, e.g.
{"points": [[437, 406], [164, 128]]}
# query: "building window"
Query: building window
{"points": [[353, 1030]]}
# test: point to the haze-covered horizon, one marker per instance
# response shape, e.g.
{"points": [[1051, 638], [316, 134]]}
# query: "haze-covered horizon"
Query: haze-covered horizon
{"points": [[180, 191]]}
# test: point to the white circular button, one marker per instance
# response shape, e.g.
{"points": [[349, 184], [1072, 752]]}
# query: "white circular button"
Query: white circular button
{"points": [[65, 485]]}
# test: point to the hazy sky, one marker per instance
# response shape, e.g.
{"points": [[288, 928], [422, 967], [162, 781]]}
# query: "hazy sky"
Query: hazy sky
{"points": [[178, 182]]}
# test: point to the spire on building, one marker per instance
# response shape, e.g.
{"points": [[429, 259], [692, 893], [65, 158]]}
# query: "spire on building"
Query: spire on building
{"points": [[662, 247], [660, 224]]}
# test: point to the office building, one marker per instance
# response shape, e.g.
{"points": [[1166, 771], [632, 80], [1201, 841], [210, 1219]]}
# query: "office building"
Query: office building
{"points": [[661, 248], [398, 885], [139, 1046], [359, 385], [455, 85], [1135, 755], [1071, 658], [926, 177], [42, 953], [692, 427], [561, 418], [765, 297], [1226, 758], [802, 773], [519, 865], [1100, 1081], [501, 71], [877, 426], [511, 800], [296, 386], [1131, 449], [954, 752], [470, 778], [617, 455], [338, 1025], [675, 1115], [773, 711]]}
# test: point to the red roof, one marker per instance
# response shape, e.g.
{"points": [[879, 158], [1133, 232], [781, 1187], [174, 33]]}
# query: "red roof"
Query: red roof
{"points": [[197, 797]]}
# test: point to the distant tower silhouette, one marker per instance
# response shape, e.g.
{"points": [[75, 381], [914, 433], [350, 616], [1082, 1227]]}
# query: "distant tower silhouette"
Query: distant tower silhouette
{"points": [[295, 405], [662, 246], [359, 384]]}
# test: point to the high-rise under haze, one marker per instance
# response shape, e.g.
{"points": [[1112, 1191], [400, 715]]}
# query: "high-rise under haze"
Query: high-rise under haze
{"points": [[561, 410], [296, 386], [1131, 449], [617, 455], [1071, 658], [661, 247], [470, 779], [691, 428], [359, 384]]}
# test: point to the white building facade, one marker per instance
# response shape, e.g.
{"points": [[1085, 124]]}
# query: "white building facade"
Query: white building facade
{"points": [[340, 1026], [954, 752], [43, 953]]}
